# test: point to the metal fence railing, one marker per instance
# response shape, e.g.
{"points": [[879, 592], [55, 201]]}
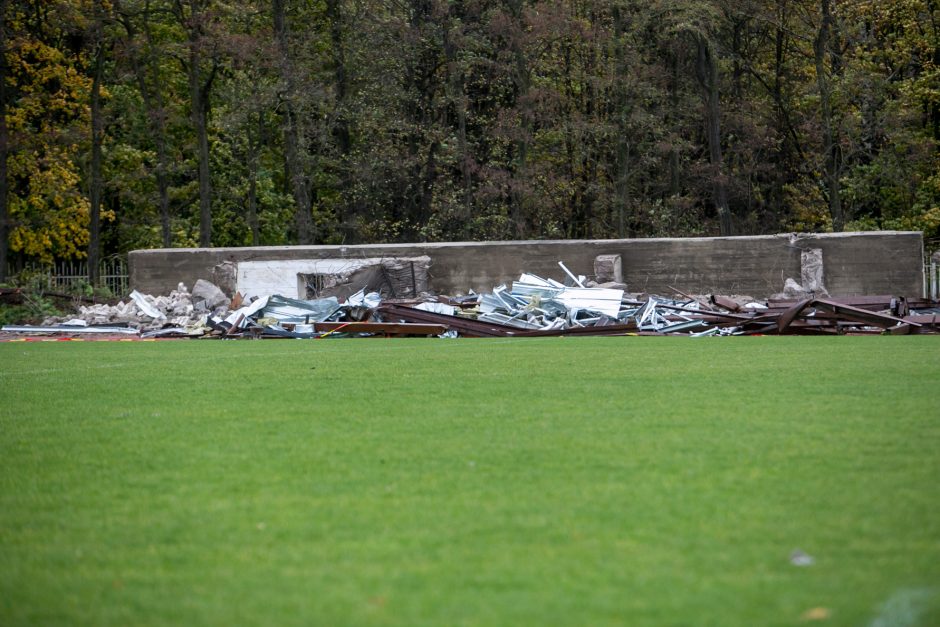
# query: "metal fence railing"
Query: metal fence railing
{"points": [[62, 276]]}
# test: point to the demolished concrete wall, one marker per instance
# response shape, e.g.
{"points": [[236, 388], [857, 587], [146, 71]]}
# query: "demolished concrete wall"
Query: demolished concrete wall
{"points": [[869, 263]]}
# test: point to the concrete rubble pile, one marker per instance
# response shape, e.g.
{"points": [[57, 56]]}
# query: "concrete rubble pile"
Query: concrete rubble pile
{"points": [[531, 306], [145, 313]]}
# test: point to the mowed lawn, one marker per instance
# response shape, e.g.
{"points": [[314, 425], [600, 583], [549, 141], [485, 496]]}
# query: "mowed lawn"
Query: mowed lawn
{"points": [[557, 481]]}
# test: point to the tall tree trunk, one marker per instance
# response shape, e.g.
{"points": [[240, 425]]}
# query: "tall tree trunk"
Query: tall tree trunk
{"points": [[200, 87], [521, 81], [97, 133], [833, 153], [254, 147], [156, 112], [622, 200], [4, 143], [781, 153], [456, 94], [296, 171], [424, 116], [152, 96], [341, 130], [464, 148], [589, 154], [199, 110], [163, 191], [706, 68], [205, 183], [934, 107], [675, 184], [621, 114], [340, 74]]}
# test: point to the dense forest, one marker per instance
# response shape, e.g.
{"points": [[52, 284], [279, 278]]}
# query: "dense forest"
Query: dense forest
{"points": [[145, 123]]}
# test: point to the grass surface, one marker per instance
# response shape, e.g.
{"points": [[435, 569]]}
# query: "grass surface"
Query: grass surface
{"points": [[574, 481]]}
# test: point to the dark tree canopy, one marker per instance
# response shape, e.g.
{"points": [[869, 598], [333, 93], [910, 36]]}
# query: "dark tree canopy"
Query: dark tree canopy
{"points": [[141, 123]]}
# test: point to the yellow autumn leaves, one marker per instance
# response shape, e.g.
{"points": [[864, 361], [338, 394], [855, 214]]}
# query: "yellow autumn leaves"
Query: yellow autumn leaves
{"points": [[48, 122]]}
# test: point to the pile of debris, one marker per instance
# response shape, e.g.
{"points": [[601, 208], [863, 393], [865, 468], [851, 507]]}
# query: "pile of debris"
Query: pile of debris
{"points": [[532, 306], [533, 309], [143, 314]]}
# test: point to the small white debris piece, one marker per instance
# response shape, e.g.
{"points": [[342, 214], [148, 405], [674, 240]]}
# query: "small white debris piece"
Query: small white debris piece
{"points": [[361, 299], [440, 308], [799, 558], [598, 299], [145, 307]]}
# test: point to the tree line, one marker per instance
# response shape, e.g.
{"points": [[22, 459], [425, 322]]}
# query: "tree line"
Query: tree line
{"points": [[146, 123]]}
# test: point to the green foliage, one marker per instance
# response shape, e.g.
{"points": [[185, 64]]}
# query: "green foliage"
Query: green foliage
{"points": [[31, 304], [47, 121], [486, 120], [34, 310]]}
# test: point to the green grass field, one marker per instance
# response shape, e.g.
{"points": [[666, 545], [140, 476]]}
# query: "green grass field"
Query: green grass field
{"points": [[558, 481]]}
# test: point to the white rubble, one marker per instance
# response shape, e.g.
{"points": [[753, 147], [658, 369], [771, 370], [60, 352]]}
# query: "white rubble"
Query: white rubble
{"points": [[174, 309], [214, 298]]}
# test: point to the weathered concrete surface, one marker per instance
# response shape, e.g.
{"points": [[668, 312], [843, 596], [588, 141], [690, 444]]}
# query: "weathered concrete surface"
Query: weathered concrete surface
{"points": [[870, 263], [812, 271], [608, 268]]}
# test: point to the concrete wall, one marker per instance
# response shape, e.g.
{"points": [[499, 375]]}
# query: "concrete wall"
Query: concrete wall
{"points": [[870, 263]]}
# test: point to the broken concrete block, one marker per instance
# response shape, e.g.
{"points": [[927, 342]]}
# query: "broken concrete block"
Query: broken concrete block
{"points": [[608, 269], [210, 293], [225, 275], [811, 271], [793, 290]]}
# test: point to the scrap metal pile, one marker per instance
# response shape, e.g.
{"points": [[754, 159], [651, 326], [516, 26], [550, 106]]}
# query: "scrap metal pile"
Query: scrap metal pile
{"points": [[531, 307], [542, 307]]}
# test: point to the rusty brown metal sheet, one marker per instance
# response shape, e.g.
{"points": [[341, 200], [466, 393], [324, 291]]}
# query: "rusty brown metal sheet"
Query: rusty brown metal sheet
{"points": [[923, 319], [383, 328], [901, 329], [839, 315], [467, 327], [862, 315], [788, 316], [725, 303], [475, 328], [609, 329], [704, 313], [871, 303]]}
